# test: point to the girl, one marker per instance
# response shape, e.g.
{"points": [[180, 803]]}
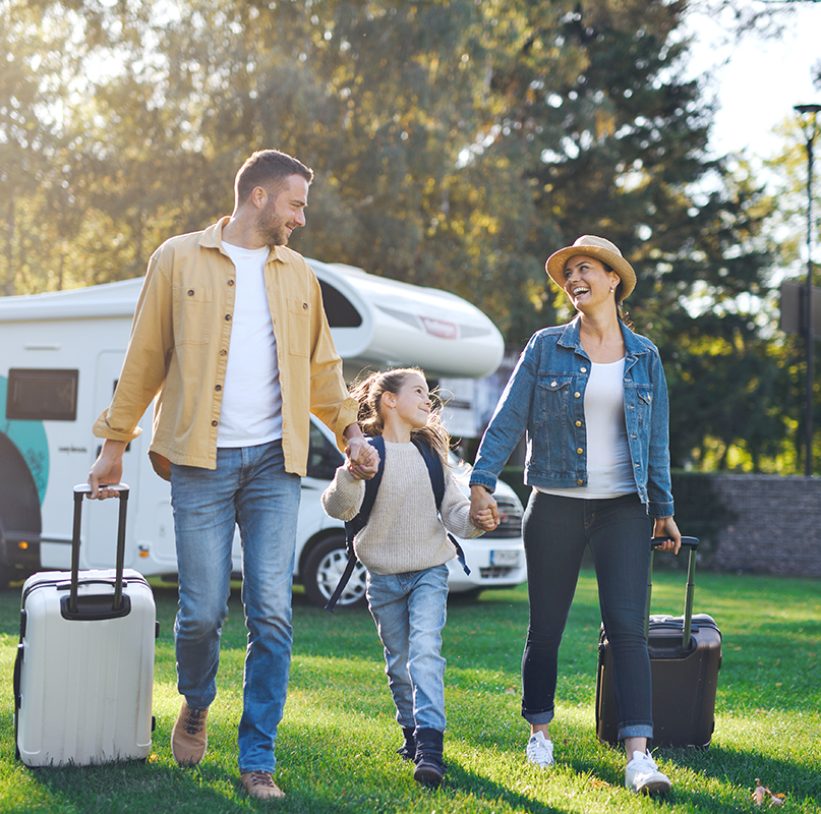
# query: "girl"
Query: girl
{"points": [[592, 397], [404, 548]]}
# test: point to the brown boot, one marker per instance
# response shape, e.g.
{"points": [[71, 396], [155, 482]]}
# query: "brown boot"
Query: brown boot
{"points": [[189, 737], [261, 786]]}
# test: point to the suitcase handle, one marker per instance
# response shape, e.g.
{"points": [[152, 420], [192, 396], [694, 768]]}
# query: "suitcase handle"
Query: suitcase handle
{"points": [[692, 544], [80, 491]]}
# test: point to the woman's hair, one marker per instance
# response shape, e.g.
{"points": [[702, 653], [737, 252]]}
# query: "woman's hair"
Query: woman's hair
{"points": [[369, 391], [620, 312]]}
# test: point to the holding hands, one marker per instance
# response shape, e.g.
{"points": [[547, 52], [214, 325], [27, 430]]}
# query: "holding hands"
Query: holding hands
{"points": [[484, 513], [363, 459]]}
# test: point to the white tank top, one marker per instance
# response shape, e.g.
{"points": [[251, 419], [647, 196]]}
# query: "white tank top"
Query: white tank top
{"points": [[609, 468], [251, 399]]}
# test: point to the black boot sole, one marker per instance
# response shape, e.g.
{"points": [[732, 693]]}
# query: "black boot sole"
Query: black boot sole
{"points": [[428, 776]]}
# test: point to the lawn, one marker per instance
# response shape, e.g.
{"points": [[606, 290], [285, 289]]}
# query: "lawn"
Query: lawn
{"points": [[336, 744]]}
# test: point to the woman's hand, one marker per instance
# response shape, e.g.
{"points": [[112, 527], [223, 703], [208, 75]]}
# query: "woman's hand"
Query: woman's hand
{"points": [[485, 520], [666, 527], [481, 502]]}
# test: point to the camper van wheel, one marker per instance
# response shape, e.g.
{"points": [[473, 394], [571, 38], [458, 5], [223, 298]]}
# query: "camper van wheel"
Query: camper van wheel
{"points": [[323, 568]]}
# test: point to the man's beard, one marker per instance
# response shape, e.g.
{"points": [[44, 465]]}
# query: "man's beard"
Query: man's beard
{"points": [[274, 232]]}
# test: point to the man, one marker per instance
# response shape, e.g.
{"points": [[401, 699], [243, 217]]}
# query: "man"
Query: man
{"points": [[230, 337]]}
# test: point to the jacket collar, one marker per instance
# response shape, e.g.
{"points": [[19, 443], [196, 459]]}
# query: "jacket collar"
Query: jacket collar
{"points": [[570, 338], [211, 238]]}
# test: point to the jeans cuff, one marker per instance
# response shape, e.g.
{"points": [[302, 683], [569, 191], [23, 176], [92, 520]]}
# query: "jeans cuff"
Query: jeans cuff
{"points": [[544, 717], [635, 731]]}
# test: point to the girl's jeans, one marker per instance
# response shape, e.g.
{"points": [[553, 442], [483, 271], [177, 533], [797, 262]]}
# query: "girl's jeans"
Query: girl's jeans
{"points": [[251, 488], [556, 530], [410, 610]]}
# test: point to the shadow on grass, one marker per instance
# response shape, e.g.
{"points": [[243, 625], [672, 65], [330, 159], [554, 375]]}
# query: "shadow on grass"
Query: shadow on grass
{"points": [[459, 779], [132, 787], [741, 768]]}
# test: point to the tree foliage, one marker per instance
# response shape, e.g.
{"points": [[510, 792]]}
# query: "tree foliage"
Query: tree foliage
{"points": [[456, 143]]}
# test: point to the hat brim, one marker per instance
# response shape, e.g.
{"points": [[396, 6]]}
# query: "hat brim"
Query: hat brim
{"points": [[554, 265]]}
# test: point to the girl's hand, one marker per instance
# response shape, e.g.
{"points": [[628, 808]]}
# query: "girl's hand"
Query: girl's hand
{"points": [[666, 527], [485, 520]]}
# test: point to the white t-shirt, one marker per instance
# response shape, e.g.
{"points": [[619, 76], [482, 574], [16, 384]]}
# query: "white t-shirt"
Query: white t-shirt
{"points": [[609, 469], [251, 400]]}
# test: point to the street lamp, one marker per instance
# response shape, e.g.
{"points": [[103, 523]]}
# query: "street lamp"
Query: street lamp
{"points": [[809, 125]]}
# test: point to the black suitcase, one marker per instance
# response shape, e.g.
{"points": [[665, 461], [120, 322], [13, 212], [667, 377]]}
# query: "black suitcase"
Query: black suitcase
{"points": [[685, 657]]}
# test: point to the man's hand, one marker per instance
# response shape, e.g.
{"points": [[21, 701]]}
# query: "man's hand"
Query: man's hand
{"points": [[363, 459], [481, 502], [107, 469], [666, 527]]}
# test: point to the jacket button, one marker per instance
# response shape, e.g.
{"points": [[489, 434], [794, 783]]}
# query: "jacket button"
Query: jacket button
{"points": [[580, 451], [190, 292], [583, 369], [579, 482], [230, 282], [578, 423], [218, 388], [227, 317], [554, 383], [214, 423], [577, 395], [223, 352], [304, 306]]}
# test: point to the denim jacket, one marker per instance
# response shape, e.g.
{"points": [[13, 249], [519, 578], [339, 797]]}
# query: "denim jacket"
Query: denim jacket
{"points": [[545, 397]]}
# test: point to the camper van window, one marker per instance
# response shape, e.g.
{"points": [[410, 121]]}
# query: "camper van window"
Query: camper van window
{"points": [[323, 456], [340, 311], [42, 395]]}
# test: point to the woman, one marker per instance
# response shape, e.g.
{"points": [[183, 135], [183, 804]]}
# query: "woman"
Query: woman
{"points": [[592, 397]]}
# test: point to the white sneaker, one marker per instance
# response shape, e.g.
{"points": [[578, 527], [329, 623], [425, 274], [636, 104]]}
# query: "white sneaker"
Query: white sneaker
{"points": [[643, 776], [540, 751]]}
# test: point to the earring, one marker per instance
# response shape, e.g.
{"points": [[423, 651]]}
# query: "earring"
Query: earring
{"points": [[612, 288]]}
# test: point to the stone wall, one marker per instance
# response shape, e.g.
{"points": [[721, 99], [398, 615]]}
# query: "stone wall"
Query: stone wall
{"points": [[764, 524], [761, 524]]}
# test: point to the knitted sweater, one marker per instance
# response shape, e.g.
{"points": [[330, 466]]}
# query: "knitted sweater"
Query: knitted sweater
{"points": [[404, 532]]}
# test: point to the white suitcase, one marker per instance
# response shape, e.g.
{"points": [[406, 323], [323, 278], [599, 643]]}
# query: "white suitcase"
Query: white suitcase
{"points": [[84, 672]]}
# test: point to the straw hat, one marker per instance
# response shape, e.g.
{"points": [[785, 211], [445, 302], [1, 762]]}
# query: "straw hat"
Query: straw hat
{"points": [[592, 246]]}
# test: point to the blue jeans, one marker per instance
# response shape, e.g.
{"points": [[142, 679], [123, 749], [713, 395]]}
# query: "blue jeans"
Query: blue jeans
{"points": [[409, 611], [556, 530], [250, 488]]}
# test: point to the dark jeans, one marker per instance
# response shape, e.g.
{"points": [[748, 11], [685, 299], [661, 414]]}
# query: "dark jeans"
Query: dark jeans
{"points": [[556, 531]]}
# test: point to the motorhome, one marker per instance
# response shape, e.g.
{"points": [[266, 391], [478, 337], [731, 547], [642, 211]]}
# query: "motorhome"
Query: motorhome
{"points": [[60, 356]]}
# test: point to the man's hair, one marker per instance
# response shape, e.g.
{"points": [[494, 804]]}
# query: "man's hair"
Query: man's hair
{"points": [[267, 167]]}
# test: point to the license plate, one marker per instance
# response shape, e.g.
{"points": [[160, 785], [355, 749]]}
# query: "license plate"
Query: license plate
{"points": [[504, 557]]}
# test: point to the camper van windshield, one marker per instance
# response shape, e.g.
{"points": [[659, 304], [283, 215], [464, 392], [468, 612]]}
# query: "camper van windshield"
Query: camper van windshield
{"points": [[339, 309]]}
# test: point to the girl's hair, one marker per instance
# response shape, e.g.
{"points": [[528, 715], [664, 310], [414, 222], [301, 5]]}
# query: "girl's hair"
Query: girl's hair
{"points": [[368, 392]]}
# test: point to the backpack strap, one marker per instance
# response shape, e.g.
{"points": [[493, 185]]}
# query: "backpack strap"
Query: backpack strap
{"points": [[436, 473], [353, 527]]}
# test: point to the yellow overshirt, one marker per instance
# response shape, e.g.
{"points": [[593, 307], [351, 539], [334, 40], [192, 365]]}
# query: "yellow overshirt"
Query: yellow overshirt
{"points": [[178, 353]]}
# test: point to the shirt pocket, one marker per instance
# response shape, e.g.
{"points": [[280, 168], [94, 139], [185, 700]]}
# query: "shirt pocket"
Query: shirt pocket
{"points": [[193, 316], [299, 327], [553, 395]]}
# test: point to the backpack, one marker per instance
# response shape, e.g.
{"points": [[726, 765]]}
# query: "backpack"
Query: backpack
{"points": [[437, 481]]}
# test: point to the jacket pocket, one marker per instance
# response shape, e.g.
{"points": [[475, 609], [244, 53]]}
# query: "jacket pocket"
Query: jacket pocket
{"points": [[193, 316], [553, 394], [644, 406], [299, 327]]}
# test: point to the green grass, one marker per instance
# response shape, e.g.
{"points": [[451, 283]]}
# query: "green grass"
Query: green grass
{"points": [[336, 744]]}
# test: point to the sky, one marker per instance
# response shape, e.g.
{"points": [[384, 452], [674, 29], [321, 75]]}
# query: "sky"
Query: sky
{"points": [[759, 80]]}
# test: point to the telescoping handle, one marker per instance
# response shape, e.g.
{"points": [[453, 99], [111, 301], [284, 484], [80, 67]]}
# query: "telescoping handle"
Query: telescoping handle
{"points": [[80, 491], [692, 544]]}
